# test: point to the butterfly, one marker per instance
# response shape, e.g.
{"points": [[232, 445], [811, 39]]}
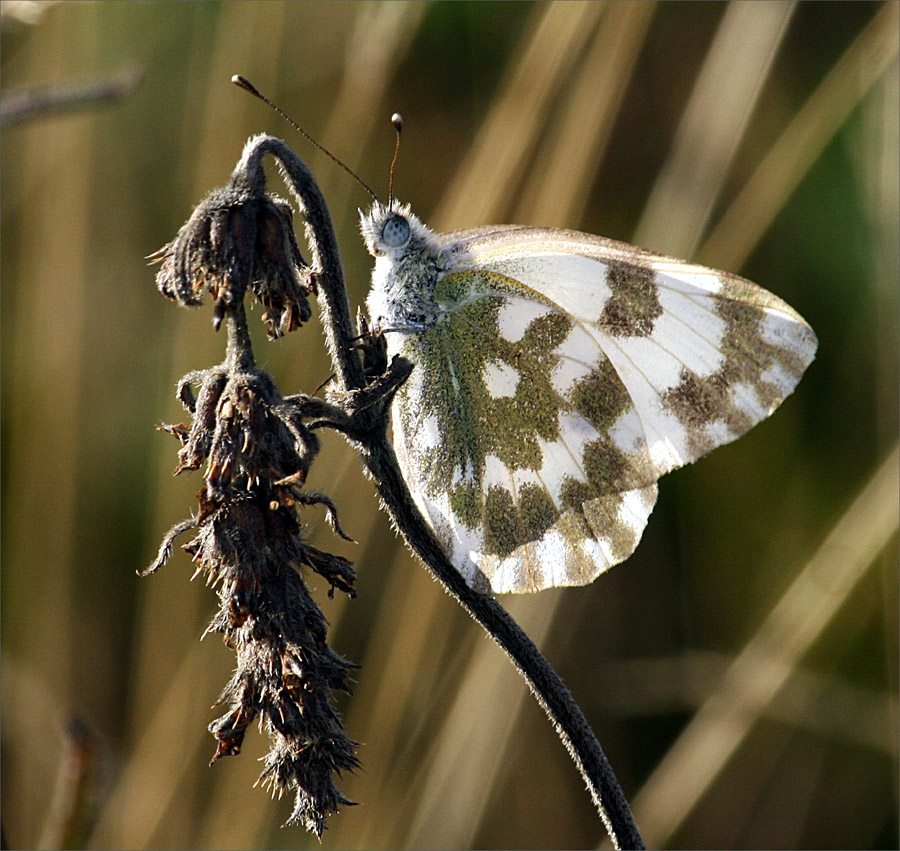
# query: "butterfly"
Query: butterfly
{"points": [[557, 375]]}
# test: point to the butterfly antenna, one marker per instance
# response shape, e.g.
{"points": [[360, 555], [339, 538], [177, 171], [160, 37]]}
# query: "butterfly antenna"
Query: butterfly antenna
{"points": [[244, 83], [397, 121]]}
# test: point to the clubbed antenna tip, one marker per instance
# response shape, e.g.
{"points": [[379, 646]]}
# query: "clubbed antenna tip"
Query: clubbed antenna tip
{"points": [[245, 84]]}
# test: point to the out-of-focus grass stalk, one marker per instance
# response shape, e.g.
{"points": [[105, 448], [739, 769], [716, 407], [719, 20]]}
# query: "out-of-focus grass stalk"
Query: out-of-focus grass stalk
{"points": [[557, 188], [777, 176], [712, 126], [168, 747], [398, 697], [378, 42], [881, 180], [756, 675], [809, 700], [43, 400], [479, 193]]}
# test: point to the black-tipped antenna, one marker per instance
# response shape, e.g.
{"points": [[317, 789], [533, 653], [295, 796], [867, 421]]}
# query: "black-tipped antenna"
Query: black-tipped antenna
{"points": [[397, 121], [244, 83]]}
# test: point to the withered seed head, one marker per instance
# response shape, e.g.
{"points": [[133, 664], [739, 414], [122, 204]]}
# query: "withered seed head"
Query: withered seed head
{"points": [[248, 542], [239, 239]]}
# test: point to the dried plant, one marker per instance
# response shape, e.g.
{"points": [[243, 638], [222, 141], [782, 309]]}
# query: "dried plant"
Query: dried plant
{"points": [[258, 446], [248, 538]]}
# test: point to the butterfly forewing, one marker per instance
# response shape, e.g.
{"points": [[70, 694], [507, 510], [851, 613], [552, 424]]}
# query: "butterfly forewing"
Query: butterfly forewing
{"points": [[704, 355]]}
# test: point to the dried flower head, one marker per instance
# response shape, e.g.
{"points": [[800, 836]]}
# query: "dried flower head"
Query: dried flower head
{"points": [[239, 238]]}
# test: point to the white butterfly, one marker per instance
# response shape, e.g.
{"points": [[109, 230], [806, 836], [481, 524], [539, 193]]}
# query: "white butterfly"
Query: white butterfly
{"points": [[557, 376]]}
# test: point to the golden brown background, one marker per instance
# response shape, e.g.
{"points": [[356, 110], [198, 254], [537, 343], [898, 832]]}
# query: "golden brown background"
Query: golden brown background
{"points": [[740, 670]]}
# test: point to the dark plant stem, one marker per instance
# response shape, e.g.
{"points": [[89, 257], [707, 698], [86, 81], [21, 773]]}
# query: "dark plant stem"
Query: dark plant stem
{"points": [[239, 351], [325, 261], [370, 437]]}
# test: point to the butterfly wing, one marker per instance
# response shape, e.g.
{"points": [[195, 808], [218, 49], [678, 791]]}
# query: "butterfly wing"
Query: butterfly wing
{"points": [[567, 374]]}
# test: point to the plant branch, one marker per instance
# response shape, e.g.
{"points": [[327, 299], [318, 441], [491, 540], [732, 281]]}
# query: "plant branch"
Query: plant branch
{"points": [[35, 102], [369, 434], [326, 261]]}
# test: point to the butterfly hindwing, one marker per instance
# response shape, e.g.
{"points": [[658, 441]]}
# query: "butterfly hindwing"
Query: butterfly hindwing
{"points": [[519, 440]]}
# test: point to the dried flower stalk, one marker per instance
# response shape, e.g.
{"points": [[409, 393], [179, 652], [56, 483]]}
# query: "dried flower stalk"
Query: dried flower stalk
{"points": [[248, 541]]}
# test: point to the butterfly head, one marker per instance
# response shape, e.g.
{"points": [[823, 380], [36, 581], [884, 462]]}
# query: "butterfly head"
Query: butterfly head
{"points": [[394, 231]]}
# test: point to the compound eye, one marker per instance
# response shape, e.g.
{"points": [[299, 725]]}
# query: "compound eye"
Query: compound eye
{"points": [[395, 231]]}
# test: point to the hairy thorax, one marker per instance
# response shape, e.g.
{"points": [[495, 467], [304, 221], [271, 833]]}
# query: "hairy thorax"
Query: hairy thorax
{"points": [[402, 294]]}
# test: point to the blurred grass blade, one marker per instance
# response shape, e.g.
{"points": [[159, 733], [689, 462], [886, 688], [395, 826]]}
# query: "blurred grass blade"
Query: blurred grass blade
{"points": [[736, 67], [757, 674], [559, 186], [393, 702], [467, 759], [161, 757], [765, 193], [821, 703], [480, 193], [381, 37]]}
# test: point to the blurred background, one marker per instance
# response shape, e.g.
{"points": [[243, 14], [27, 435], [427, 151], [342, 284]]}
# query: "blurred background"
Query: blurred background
{"points": [[740, 670]]}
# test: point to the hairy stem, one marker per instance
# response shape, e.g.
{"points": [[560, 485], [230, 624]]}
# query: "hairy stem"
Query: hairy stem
{"points": [[326, 260], [239, 351], [371, 440]]}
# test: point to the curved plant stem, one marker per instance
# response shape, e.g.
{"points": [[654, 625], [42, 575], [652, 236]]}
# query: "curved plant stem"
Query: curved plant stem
{"points": [[369, 435]]}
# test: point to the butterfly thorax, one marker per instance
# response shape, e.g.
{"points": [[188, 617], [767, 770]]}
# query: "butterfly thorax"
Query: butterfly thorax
{"points": [[408, 265]]}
